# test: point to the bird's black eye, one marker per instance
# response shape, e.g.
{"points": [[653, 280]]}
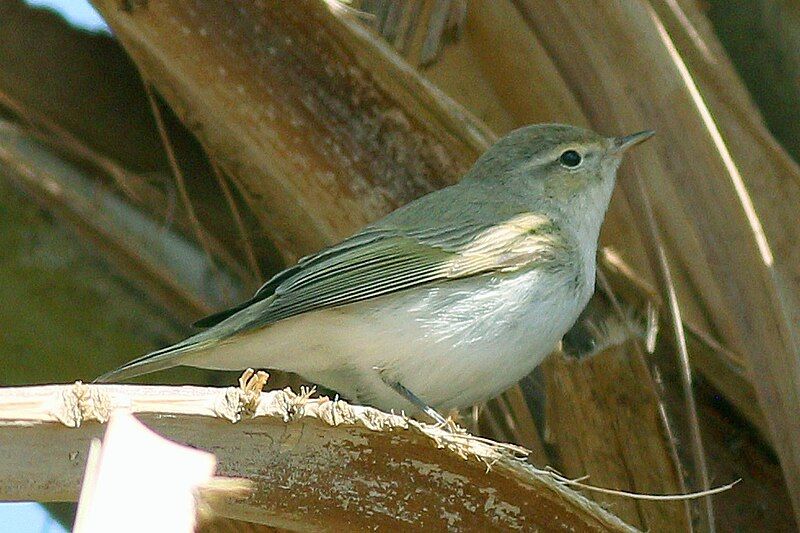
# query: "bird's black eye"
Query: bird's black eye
{"points": [[570, 159]]}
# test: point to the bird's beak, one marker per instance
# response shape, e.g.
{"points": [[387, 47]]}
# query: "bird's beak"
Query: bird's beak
{"points": [[621, 144]]}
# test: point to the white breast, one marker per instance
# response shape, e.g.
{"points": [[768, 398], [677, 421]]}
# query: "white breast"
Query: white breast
{"points": [[455, 344], [452, 345]]}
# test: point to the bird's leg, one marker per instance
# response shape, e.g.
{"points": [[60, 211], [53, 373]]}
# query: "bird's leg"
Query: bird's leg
{"points": [[413, 398]]}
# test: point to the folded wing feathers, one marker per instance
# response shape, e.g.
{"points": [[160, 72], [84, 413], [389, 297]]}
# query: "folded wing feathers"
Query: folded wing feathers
{"points": [[383, 261]]}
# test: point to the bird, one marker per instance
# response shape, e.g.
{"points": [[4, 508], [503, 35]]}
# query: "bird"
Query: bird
{"points": [[446, 301]]}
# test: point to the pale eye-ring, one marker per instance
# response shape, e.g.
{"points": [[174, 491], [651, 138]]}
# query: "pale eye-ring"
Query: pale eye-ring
{"points": [[570, 159]]}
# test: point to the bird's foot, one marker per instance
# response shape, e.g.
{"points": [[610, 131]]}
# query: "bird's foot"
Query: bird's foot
{"points": [[398, 387]]}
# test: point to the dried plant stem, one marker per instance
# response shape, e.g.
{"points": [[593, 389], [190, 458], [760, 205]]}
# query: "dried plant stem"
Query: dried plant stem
{"points": [[614, 261], [658, 257], [651, 497], [133, 185], [662, 410], [237, 217], [179, 179], [51, 133]]}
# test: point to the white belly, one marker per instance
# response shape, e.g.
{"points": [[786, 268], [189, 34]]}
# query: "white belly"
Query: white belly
{"points": [[452, 345]]}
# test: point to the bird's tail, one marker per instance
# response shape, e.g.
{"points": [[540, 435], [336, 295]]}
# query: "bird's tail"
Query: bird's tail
{"points": [[162, 359]]}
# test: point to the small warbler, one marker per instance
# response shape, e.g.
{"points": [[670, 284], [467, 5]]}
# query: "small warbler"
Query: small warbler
{"points": [[446, 301]]}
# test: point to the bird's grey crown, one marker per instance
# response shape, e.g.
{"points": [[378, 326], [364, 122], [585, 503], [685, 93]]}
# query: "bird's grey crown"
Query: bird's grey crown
{"points": [[523, 144]]}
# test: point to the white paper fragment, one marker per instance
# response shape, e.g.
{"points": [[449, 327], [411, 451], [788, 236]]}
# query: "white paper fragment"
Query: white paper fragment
{"points": [[141, 481]]}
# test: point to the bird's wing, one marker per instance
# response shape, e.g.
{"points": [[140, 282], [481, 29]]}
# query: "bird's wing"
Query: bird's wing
{"points": [[381, 261]]}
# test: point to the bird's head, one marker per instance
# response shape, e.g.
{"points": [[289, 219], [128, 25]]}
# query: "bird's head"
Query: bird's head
{"points": [[556, 161]]}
